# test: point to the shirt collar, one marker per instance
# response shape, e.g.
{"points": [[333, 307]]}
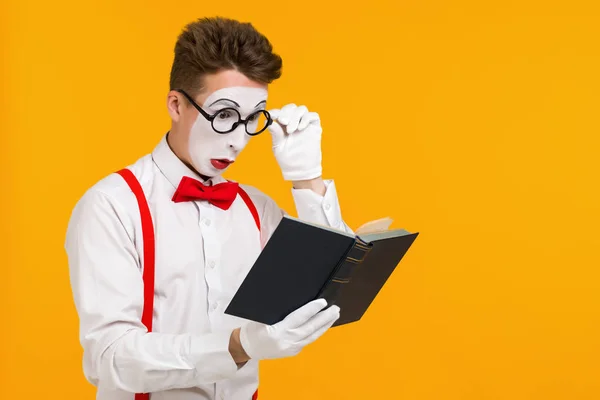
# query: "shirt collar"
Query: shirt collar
{"points": [[173, 168]]}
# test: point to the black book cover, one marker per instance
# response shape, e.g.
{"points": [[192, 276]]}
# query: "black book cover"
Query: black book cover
{"points": [[303, 262], [355, 297], [291, 270]]}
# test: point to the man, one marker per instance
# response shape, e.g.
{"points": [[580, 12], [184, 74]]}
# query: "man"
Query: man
{"points": [[157, 250]]}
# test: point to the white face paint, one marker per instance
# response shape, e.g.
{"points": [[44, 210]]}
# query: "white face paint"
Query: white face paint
{"points": [[208, 147]]}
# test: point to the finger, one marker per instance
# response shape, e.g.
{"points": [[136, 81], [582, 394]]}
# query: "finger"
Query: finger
{"points": [[277, 133], [301, 315], [295, 118], [315, 335], [307, 119], [275, 113], [323, 318], [286, 113], [315, 323]]}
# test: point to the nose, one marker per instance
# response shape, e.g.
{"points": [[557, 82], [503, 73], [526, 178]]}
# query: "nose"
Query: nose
{"points": [[238, 139]]}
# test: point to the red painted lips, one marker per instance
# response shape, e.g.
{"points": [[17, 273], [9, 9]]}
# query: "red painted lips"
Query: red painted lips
{"points": [[221, 163]]}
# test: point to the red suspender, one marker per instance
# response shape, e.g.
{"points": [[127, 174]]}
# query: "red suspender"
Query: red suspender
{"points": [[254, 213], [250, 206], [148, 238]]}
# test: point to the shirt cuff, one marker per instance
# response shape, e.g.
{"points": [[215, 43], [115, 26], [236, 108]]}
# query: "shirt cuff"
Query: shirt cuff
{"points": [[211, 357], [314, 208]]}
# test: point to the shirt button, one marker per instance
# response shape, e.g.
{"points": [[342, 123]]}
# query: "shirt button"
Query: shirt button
{"points": [[207, 222], [211, 264], [327, 206], [214, 306]]}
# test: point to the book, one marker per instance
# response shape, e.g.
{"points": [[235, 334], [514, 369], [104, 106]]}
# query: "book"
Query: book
{"points": [[302, 262]]}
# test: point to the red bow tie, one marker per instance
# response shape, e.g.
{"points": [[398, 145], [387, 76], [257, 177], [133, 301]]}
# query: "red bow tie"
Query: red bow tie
{"points": [[221, 195]]}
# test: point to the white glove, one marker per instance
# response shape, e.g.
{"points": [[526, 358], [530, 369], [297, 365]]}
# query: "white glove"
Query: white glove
{"points": [[286, 338], [297, 147]]}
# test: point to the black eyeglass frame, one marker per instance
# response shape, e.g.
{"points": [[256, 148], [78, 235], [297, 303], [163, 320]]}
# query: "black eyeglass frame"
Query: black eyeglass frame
{"points": [[211, 118]]}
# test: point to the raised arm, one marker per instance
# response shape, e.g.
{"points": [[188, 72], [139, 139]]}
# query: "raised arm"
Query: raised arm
{"points": [[296, 137]]}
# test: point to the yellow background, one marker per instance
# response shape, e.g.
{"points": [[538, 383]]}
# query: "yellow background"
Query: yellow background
{"points": [[475, 123]]}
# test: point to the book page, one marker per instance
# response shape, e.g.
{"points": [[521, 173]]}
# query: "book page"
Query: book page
{"points": [[378, 225], [374, 236]]}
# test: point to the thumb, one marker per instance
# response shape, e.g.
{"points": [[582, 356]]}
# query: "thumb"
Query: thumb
{"points": [[276, 130], [304, 313]]}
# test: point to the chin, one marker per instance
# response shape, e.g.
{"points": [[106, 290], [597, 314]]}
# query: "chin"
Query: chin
{"points": [[206, 170], [211, 172]]}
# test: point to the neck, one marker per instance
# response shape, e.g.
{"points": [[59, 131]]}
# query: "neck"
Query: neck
{"points": [[177, 149]]}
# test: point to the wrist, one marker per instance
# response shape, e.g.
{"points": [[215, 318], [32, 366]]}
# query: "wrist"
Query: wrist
{"points": [[317, 185], [236, 349]]}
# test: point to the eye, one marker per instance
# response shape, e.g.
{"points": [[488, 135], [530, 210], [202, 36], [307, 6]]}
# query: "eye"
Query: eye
{"points": [[225, 114], [253, 118]]}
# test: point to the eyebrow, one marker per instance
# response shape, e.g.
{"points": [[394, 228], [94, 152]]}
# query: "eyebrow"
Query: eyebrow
{"points": [[235, 103], [231, 101]]}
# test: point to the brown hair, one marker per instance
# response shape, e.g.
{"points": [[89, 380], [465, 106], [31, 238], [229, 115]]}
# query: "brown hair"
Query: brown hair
{"points": [[210, 45]]}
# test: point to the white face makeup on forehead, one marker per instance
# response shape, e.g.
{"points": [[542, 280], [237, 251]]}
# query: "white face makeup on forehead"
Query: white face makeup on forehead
{"points": [[212, 152]]}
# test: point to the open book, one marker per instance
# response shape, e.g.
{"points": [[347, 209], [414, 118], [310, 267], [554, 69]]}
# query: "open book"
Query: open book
{"points": [[302, 262]]}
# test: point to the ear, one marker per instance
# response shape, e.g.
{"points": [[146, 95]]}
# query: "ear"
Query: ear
{"points": [[175, 105]]}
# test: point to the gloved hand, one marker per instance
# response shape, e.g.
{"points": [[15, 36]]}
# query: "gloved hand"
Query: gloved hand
{"points": [[296, 137], [286, 338]]}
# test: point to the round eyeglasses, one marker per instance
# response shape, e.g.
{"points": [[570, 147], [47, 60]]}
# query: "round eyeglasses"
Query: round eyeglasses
{"points": [[228, 119]]}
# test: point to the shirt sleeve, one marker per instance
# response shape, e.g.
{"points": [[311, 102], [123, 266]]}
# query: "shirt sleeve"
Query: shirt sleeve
{"points": [[310, 206], [107, 287], [322, 210]]}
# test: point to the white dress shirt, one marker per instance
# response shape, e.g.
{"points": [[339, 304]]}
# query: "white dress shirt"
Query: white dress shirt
{"points": [[203, 254]]}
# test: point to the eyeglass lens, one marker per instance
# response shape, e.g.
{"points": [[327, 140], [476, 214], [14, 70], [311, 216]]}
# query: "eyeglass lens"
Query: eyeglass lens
{"points": [[227, 119]]}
